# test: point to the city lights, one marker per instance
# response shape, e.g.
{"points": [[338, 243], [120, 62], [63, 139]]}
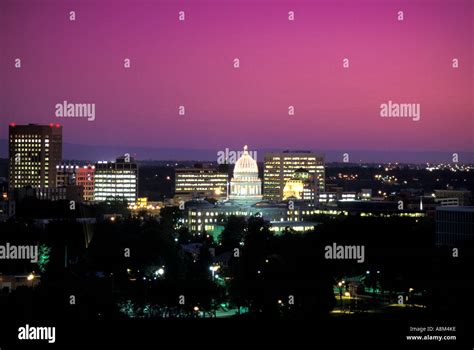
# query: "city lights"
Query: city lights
{"points": [[167, 167]]}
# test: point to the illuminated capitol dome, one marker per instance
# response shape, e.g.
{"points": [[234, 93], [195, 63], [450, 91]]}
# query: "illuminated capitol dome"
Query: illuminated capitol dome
{"points": [[245, 185]]}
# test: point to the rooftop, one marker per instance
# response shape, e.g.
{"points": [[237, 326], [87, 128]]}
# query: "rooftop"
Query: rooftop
{"points": [[464, 209]]}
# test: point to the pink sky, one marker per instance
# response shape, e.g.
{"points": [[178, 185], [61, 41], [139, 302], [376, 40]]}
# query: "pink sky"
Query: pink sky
{"points": [[283, 63]]}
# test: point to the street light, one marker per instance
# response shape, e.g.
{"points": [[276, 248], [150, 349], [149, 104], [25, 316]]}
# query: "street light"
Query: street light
{"points": [[213, 269], [409, 296], [30, 278], [340, 291]]}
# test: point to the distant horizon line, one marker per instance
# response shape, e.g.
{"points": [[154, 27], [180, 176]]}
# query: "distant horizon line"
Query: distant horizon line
{"points": [[85, 161], [92, 153], [273, 149]]}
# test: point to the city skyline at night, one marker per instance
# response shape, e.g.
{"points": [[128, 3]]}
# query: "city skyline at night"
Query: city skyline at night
{"points": [[171, 167]]}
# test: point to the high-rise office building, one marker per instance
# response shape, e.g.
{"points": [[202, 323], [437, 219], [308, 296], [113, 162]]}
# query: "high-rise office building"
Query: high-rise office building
{"points": [[85, 178], [66, 175], [200, 181], [34, 152], [280, 168], [82, 176], [116, 180]]}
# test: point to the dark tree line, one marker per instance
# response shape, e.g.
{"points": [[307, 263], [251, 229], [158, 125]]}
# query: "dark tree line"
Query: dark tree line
{"points": [[112, 263]]}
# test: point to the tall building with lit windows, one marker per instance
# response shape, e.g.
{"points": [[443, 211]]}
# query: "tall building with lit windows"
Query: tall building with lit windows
{"points": [[66, 175], [85, 179], [200, 181], [116, 180], [280, 170], [34, 152], [82, 176]]}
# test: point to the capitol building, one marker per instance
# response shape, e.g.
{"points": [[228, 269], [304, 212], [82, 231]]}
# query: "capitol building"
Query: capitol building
{"points": [[245, 185], [244, 199]]}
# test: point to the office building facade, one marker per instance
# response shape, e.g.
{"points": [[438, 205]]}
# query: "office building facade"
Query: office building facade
{"points": [[200, 182], [454, 225], [281, 168], [66, 175], [116, 180], [85, 179], [34, 152], [82, 176], [453, 197]]}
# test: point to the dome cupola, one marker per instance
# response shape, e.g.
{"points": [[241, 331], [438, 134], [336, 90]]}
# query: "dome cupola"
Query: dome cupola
{"points": [[245, 166]]}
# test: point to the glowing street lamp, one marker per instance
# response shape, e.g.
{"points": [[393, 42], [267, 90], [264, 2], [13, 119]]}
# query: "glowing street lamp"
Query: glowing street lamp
{"points": [[340, 291], [30, 278], [410, 293], [213, 269]]}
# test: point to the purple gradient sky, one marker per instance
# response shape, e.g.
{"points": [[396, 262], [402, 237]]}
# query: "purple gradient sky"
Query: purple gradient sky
{"points": [[282, 63]]}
